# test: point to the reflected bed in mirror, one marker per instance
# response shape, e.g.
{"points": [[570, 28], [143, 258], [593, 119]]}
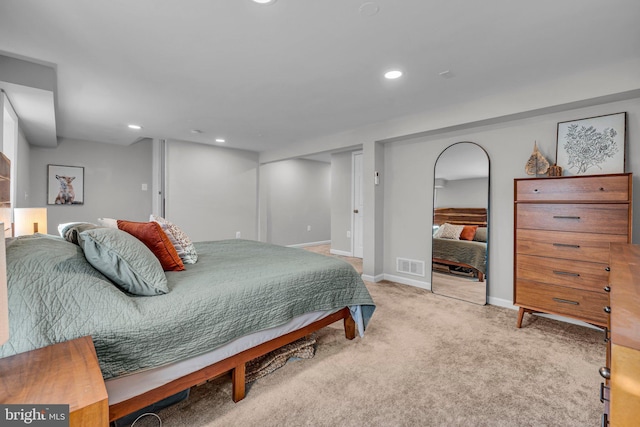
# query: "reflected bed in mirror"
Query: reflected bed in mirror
{"points": [[460, 223]]}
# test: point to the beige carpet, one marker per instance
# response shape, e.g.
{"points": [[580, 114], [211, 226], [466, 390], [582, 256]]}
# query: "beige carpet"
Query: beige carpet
{"points": [[461, 287], [425, 360]]}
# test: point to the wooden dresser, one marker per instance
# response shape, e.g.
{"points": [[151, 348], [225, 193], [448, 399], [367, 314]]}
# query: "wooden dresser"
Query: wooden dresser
{"points": [[563, 228], [623, 353]]}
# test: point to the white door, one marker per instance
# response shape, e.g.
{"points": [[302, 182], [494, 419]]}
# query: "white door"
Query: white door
{"points": [[358, 205]]}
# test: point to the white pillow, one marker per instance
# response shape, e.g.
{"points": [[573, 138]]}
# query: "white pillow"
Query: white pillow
{"points": [[108, 222], [448, 231], [62, 228]]}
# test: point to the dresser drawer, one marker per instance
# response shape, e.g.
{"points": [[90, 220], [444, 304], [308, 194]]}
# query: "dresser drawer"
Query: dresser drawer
{"points": [[581, 218], [580, 304], [589, 247], [574, 274], [607, 188]]}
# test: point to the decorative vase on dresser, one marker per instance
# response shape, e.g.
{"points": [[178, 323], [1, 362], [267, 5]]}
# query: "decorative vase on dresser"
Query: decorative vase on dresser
{"points": [[563, 228]]}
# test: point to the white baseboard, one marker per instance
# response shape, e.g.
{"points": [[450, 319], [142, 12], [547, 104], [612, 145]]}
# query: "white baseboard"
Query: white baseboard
{"points": [[340, 253], [406, 281], [508, 304], [304, 245], [377, 278], [501, 302]]}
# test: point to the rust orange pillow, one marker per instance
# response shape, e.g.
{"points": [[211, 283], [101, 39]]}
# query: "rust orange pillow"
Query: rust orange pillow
{"points": [[151, 234], [468, 232]]}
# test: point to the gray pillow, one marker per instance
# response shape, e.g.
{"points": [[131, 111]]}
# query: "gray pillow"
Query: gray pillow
{"points": [[481, 234], [125, 260], [70, 232]]}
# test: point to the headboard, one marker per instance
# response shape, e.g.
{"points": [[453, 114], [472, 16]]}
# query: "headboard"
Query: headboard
{"points": [[466, 216]]}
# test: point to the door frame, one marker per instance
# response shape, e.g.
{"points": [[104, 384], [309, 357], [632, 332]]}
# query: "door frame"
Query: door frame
{"points": [[353, 200]]}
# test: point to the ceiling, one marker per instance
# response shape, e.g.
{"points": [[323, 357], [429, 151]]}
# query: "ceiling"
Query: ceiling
{"points": [[267, 77]]}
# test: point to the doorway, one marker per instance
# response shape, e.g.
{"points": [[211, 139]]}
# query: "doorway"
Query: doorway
{"points": [[357, 238]]}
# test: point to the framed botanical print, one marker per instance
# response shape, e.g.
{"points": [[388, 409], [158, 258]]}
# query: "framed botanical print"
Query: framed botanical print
{"points": [[591, 146], [65, 185]]}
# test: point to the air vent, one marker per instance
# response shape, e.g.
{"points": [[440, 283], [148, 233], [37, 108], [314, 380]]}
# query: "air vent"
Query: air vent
{"points": [[410, 266]]}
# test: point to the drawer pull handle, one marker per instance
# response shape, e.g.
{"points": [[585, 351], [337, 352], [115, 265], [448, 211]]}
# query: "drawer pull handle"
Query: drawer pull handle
{"points": [[607, 269], [607, 309], [602, 387], [565, 217], [564, 245], [605, 372], [601, 188], [535, 190], [566, 273], [604, 422], [566, 301], [607, 288]]}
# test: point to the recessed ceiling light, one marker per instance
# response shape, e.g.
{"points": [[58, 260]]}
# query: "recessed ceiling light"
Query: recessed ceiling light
{"points": [[369, 8], [136, 127], [220, 140], [393, 74], [264, 1], [196, 131]]}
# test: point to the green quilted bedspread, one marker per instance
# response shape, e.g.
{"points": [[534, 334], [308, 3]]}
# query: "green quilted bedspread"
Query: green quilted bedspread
{"points": [[236, 287]]}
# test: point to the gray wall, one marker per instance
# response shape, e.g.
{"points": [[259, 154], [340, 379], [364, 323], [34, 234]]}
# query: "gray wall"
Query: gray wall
{"points": [[341, 203], [463, 193], [295, 194], [409, 168], [22, 199], [211, 192], [113, 176]]}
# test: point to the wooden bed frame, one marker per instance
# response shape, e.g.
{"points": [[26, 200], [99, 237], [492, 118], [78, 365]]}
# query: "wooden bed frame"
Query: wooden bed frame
{"points": [[460, 216], [235, 364]]}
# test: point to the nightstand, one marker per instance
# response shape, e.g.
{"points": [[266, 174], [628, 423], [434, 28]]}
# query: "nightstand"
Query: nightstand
{"points": [[64, 373]]}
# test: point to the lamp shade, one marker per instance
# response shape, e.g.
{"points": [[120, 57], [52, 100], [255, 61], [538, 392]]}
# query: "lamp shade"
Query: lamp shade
{"points": [[4, 303], [29, 221]]}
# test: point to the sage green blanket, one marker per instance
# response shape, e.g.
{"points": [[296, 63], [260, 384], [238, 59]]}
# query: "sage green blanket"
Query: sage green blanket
{"points": [[236, 287]]}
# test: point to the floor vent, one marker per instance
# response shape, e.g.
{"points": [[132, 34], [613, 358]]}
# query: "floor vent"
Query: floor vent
{"points": [[410, 266]]}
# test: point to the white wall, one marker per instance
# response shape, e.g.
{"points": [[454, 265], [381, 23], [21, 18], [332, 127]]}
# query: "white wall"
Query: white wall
{"points": [[463, 193], [295, 194], [409, 180], [113, 175], [211, 192]]}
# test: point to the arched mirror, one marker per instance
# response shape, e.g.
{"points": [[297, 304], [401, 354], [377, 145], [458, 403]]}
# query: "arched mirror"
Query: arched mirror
{"points": [[460, 223]]}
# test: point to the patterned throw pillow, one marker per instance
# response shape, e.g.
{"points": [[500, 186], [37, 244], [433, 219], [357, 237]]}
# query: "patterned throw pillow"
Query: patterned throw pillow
{"points": [[179, 240], [448, 231]]}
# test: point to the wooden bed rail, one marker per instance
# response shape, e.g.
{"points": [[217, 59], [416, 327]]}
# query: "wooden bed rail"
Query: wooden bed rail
{"points": [[235, 363]]}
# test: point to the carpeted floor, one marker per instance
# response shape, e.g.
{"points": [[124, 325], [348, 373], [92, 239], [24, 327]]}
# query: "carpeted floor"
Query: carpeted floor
{"points": [[425, 360]]}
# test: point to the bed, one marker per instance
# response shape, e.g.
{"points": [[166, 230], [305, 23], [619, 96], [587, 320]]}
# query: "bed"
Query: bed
{"points": [[240, 300], [469, 254]]}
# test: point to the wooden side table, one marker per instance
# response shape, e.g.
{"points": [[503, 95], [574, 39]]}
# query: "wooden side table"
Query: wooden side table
{"points": [[64, 373]]}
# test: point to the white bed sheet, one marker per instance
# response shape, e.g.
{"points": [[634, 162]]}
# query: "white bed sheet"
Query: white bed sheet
{"points": [[122, 388]]}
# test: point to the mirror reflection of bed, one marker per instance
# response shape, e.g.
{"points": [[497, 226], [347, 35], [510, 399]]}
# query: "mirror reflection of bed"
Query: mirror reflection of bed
{"points": [[460, 223]]}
